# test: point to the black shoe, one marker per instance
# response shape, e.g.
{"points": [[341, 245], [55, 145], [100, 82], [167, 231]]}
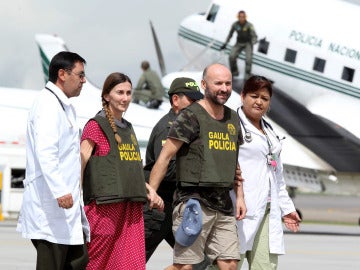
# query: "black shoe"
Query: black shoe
{"points": [[154, 104], [158, 104]]}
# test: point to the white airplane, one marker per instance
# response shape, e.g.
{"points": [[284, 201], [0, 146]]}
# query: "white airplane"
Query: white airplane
{"points": [[312, 60], [201, 36], [144, 119]]}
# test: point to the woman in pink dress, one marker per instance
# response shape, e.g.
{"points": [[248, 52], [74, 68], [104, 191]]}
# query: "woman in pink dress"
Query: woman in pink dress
{"points": [[114, 188]]}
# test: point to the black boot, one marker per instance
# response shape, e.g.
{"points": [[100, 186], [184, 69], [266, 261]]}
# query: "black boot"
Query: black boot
{"points": [[154, 104]]}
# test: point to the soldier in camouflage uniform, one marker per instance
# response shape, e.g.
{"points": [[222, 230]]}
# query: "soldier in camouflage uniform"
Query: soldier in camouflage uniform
{"points": [[246, 38], [205, 138], [149, 89], [158, 225]]}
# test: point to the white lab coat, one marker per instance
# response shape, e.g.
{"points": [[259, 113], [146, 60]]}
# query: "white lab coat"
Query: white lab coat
{"points": [[260, 178], [53, 169]]}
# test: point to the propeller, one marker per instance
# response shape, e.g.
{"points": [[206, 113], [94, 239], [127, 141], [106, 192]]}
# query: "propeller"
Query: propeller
{"points": [[158, 51]]}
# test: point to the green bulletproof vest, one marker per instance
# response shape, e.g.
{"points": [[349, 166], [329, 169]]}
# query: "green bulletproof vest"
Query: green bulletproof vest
{"points": [[119, 175], [210, 160], [243, 32]]}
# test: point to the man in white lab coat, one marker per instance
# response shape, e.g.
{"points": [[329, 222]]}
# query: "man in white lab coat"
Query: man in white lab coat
{"points": [[52, 214]]}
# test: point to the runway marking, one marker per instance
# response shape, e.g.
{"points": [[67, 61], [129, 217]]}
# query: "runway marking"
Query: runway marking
{"points": [[317, 252]]}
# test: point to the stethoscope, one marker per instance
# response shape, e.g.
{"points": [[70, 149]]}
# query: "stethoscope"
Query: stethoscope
{"points": [[248, 137]]}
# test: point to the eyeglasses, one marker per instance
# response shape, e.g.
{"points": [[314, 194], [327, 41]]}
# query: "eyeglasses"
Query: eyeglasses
{"points": [[81, 74]]}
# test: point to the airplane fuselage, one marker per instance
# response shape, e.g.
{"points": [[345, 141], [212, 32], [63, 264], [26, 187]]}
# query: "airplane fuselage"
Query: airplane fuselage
{"points": [[308, 54]]}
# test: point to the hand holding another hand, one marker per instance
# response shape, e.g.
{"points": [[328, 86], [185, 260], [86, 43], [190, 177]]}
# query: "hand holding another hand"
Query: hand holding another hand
{"points": [[154, 199]]}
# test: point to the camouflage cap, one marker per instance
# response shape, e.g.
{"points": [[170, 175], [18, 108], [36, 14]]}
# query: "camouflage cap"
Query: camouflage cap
{"points": [[187, 86]]}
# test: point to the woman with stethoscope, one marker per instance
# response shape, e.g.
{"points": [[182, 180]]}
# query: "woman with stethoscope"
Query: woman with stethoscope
{"points": [[266, 197]]}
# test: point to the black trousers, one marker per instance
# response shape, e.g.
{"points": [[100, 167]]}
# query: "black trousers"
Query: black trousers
{"points": [[60, 257], [158, 227]]}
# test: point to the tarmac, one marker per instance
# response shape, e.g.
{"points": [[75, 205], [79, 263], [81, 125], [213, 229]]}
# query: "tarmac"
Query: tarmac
{"points": [[325, 208], [329, 239]]}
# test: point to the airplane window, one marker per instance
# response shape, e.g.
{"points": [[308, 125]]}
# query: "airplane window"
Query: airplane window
{"points": [[263, 46], [290, 55], [212, 13], [348, 74], [17, 177], [319, 64]]}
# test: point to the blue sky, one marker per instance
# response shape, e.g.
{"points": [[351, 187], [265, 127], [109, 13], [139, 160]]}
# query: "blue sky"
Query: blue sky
{"points": [[111, 35]]}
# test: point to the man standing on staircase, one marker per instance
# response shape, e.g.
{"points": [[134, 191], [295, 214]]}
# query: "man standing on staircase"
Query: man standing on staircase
{"points": [[246, 38]]}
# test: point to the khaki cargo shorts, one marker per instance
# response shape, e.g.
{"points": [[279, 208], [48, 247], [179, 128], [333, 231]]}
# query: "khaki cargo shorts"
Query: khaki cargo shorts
{"points": [[218, 238]]}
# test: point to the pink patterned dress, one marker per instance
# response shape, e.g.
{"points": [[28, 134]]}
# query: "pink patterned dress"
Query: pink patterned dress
{"points": [[117, 229]]}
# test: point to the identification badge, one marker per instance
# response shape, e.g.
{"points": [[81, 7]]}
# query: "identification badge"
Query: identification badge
{"points": [[271, 160]]}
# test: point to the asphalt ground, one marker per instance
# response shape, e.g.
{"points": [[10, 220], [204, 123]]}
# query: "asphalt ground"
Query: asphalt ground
{"points": [[329, 239], [322, 208]]}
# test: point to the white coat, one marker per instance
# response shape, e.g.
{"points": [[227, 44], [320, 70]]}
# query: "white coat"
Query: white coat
{"points": [[53, 169], [260, 180]]}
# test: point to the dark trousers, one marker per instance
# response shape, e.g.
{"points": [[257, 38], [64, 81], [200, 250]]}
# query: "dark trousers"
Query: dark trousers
{"points": [[158, 227], [235, 51], [60, 257]]}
